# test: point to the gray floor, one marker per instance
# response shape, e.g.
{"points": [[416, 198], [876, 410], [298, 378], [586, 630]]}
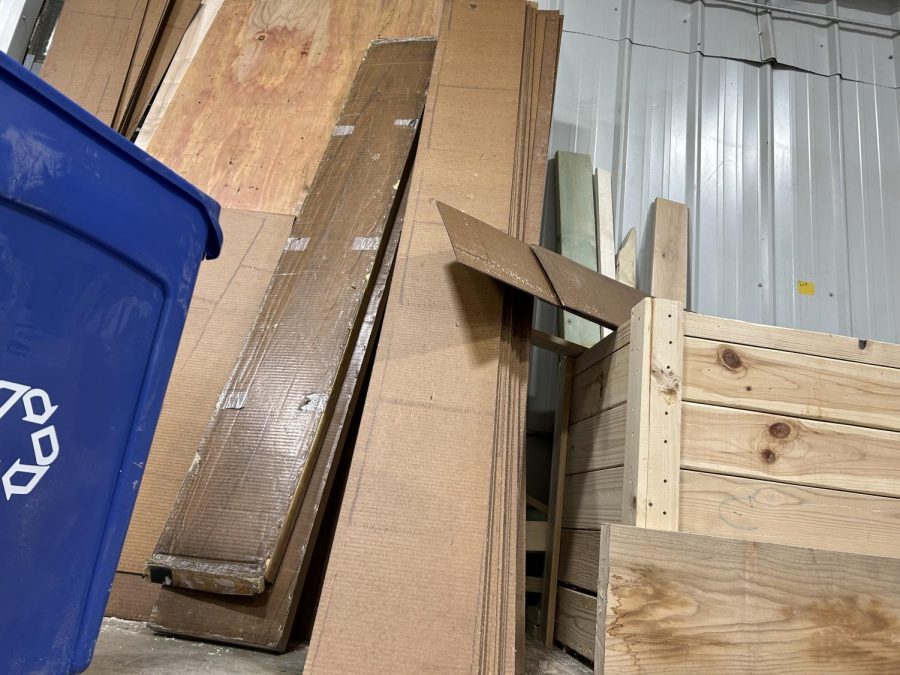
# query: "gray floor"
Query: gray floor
{"points": [[128, 647]]}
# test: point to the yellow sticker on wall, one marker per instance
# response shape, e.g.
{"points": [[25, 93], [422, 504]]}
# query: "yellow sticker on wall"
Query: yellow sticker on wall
{"points": [[806, 288]]}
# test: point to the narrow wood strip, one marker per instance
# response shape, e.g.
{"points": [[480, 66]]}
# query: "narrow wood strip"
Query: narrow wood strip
{"points": [[637, 416], [789, 449], [555, 344], [669, 262], [760, 510], [768, 380], [792, 340]]}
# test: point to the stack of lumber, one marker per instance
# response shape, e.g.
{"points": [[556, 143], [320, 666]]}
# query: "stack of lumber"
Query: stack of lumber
{"points": [[430, 539], [110, 56]]}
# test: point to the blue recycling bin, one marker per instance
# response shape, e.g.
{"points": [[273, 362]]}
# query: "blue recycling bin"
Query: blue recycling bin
{"points": [[99, 250]]}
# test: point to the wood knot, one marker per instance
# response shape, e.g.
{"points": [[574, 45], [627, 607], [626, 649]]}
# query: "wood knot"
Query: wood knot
{"points": [[863, 344], [261, 37], [780, 430], [729, 358], [768, 456]]}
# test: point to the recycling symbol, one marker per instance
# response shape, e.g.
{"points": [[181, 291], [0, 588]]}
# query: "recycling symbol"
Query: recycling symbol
{"points": [[22, 477]]}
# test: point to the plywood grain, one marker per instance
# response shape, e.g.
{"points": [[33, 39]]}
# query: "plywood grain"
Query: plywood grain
{"points": [[677, 603], [255, 110]]}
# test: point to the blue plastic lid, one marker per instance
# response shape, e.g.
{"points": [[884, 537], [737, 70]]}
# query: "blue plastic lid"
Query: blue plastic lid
{"points": [[105, 134]]}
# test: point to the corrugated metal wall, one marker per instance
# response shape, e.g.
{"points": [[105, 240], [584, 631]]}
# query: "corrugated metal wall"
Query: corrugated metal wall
{"points": [[781, 132], [791, 174]]}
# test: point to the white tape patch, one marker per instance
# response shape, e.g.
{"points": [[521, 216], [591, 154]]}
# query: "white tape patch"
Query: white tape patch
{"points": [[411, 123], [296, 244], [343, 130], [366, 243], [235, 400]]}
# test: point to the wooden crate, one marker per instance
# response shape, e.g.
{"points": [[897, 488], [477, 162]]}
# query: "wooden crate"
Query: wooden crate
{"points": [[697, 424]]}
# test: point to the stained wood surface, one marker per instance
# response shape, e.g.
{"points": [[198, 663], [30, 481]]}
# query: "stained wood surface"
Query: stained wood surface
{"points": [[792, 340], [720, 605], [745, 508], [593, 498], [586, 293], [598, 442], [272, 75], [579, 556], [431, 404], [237, 506], [266, 621], [767, 380], [225, 303], [669, 260], [600, 387], [789, 449], [576, 231], [93, 46], [576, 621]]}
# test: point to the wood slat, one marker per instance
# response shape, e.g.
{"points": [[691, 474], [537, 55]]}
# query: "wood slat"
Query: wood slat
{"points": [[637, 416], [760, 510], [237, 505], [789, 449], [597, 442], [536, 535], [626, 259], [576, 231], [792, 340], [576, 621], [579, 555], [767, 380], [542, 660], [678, 603], [600, 387], [593, 498], [669, 260]]}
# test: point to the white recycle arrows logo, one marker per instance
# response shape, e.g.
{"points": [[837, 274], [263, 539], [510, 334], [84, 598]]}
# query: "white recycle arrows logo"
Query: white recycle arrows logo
{"points": [[43, 441]]}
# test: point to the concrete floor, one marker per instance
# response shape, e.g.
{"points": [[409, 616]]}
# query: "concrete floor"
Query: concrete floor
{"points": [[130, 647]]}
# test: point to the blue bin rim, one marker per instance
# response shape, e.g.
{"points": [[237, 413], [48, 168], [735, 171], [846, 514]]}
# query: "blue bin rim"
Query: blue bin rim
{"points": [[94, 127]]}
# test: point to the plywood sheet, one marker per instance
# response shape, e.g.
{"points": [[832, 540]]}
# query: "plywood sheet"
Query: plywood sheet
{"points": [[229, 526], [255, 110]]}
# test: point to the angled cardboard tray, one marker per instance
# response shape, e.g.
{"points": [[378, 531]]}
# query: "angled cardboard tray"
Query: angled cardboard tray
{"points": [[539, 272]]}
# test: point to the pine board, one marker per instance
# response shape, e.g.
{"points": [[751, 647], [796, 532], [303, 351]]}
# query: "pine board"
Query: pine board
{"points": [[789, 449]]}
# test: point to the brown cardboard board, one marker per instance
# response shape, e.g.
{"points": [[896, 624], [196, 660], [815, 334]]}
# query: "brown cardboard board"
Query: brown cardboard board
{"points": [[92, 49], [229, 526], [538, 271], [424, 571]]}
